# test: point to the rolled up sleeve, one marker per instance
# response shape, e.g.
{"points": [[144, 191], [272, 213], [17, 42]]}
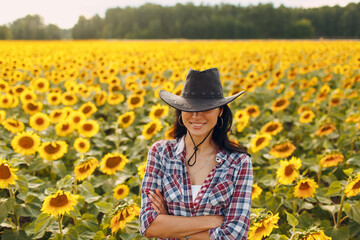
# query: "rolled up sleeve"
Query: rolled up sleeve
{"points": [[237, 218], [151, 181]]}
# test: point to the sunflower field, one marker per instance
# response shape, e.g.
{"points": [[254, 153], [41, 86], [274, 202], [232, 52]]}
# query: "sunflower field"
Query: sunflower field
{"points": [[77, 119]]}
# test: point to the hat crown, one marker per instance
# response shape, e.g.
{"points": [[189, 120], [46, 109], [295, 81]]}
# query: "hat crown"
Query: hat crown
{"points": [[202, 84]]}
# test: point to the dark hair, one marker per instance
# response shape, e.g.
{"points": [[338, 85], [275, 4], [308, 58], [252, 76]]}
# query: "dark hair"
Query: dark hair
{"points": [[219, 135]]}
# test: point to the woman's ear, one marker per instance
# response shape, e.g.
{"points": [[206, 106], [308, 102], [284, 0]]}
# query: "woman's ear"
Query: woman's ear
{"points": [[221, 112]]}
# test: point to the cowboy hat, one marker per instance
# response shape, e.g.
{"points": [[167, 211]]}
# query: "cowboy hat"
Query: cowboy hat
{"points": [[202, 91]]}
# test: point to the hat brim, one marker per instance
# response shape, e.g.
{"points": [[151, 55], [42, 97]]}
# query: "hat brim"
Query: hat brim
{"points": [[195, 104]]}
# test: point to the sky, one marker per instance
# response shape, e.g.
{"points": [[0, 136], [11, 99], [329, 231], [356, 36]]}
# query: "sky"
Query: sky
{"points": [[65, 13]]}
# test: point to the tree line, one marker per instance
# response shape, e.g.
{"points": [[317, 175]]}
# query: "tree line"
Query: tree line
{"points": [[224, 21]]}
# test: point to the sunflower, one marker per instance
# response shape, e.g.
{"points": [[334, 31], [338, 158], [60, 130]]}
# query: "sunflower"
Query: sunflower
{"points": [[2, 116], [64, 128], [288, 171], [353, 187], [59, 203], [253, 111], [89, 128], [17, 90], [121, 191], [241, 115], [88, 109], [28, 95], [76, 118], [305, 188], [53, 150], [32, 107], [113, 162], [282, 150], [151, 129], [256, 191], [141, 170], [57, 115], [13, 125], [54, 98], [280, 104], [264, 227], [259, 142], [169, 134], [125, 215], [158, 111], [331, 160], [40, 84], [307, 116], [85, 169], [115, 98], [82, 145], [126, 119], [319, 235], [326, 129], [271, 128], [334, 101], [69, 99], [135, 101], [7, 175], [25, 143], [100, 98], [39, 121], [240, 126]]}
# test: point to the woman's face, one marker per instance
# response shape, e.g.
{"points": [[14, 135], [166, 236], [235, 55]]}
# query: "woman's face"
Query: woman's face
{"points": [[200, 123]]}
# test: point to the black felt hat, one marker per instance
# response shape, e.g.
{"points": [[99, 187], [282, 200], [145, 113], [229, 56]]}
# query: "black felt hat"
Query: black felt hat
{"points": [[202, 91]]}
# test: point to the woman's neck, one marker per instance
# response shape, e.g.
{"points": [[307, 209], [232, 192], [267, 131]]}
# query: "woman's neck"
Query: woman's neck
{"points": [[207, 144]]}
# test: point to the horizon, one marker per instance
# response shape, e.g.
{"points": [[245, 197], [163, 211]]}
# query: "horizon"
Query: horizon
{"points": [[53, 13]]}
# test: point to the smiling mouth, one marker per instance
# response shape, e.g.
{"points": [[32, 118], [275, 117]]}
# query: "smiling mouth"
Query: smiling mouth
{"points": [[197, 124]]}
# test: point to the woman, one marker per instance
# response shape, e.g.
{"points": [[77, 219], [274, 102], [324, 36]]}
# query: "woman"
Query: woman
{"points": [[199, 185]]}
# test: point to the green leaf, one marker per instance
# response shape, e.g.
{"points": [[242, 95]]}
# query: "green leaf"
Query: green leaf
{"points": [[348, 171], [291, 219], [71, 234], [88, 192], [59, 168], [99, 235], [103, 206], [338, 233], [65, 182], [4, 209], [331, 208], [22, 185], [335, 189], [355, 160], [41, 223], [18, 235], [84, 232], [353, 211]]}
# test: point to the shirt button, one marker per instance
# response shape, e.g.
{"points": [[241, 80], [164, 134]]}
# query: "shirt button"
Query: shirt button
{"points": [[218, 160]]}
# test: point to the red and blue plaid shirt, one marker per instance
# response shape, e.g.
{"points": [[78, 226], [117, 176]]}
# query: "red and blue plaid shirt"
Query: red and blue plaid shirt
{"points": [[226, 191]]}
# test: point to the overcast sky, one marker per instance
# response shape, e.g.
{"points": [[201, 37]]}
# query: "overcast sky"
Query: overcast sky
{"points": [[65, 13]]}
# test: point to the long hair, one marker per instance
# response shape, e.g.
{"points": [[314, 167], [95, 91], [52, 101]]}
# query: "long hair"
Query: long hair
{"points": [[219, 135]]}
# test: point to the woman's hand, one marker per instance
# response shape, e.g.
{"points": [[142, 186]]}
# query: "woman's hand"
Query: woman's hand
{"points": [[157, 202]]}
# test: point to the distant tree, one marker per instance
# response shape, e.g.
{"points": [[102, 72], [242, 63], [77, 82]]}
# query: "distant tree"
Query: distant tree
{"points": [[88, 28], [29, 27], [302, 29], [5, 32], [52, 32]]}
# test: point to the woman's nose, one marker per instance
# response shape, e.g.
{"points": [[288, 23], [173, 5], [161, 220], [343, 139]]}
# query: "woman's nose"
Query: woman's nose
{"points": [[196, 114]]}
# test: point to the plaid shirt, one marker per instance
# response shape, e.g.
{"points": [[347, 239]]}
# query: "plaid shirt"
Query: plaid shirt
{"points": [[226, 191]]}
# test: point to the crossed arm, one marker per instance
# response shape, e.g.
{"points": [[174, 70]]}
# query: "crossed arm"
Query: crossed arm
{"points": [[166, 225]]}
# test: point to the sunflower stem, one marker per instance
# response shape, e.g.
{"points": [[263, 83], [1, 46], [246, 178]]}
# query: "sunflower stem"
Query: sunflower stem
{"points": [[60, 218], [12, 195], [319, 174], [340, 211], [295, 206], [75, 187]]}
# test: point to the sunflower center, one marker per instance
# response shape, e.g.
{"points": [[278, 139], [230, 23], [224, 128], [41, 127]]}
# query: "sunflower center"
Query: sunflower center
{"points": [[26, 142], [51, 149], [14, 124], [289, 170], [304, 186], [325, 128], [135, 100], [5, 100], [283, 148], [280, 103], [113, 162], [57, 114], [65, 127], [120, 191], [39, 121], [28, 97], [159, 112], [41, 85], [251, 110], [84, 168], [77, 119], [126, 119], [87, 109], [54, 98], [69, 98], [260, 229], [151, 129], [259, 141], [32, 106], [59, 201], [88, 127], [307, 116], [271, 128], [82, 145], [4, 172], [356, 185]]}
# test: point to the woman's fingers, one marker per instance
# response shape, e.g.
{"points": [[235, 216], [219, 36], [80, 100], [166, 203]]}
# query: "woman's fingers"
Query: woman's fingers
{"points": [[158, 201], [156, 208]]}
